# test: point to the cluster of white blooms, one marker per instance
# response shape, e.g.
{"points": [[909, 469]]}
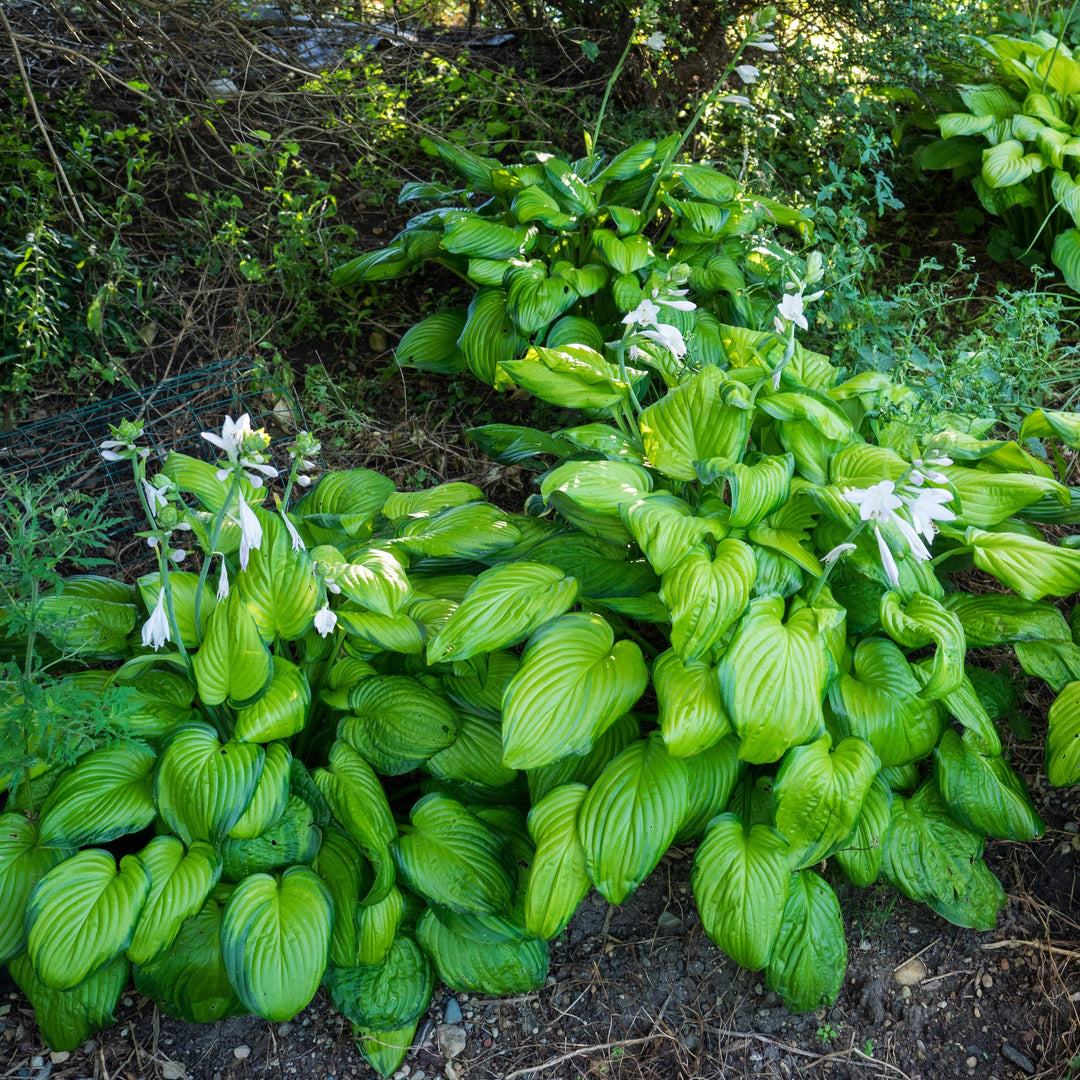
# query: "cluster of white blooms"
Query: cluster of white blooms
{"points": [[647, 315]]}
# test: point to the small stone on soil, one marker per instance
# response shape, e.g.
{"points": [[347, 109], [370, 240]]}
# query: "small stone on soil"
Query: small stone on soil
{"points": [[58, 1057], [1018, 1059], [987, 982], [241, 1052], [452, 1040], [173, 1070], [452, 1012], [911, 972]]}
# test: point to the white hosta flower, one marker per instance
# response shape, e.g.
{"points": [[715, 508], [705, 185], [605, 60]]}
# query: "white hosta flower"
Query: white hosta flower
{"points": [[157, 498], [250, 532], [875, 503], [302, 480], [670, 337], [645, 314], [734, 99], [656, 41], [178, 555], [791, 308], [223, 582], [747, 72], [925, 469], [233, 434], [155, 631], [325, 621], [678, 304], [294, 536], [887, 560], [926, 507], [764, 42], [837, 552]]}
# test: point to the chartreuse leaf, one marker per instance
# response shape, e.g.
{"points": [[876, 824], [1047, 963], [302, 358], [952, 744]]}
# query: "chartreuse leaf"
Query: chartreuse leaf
{"points": [[503, 606], [995, 619], [180, 883], [22, 864], [572, 376], [386, 995], [489, 337], [347, 876], [200, 479], [587, 767], [203, 786], [1030, 567], [475, 756], [275, 941], [424, 503], [818, 794], [921, 621], [982, 792], [631, 815], [861, 855], [342, 505], [82, 915], [1046, 422], [377, 926], [105, 795], [188, 980], [930, 857], [705, 417], [432, 344], [396, 723], [740, 881], [384, 1051], [278, 588], [451, 858], [1063, 738], [772, 679], [67, 1018], [473, 966], [591, 494], [374, 579], [987, 499], [965, 706], [401, 634], [880, 702], [602, 569], [665, 528], [558, 879], [692, 716], [271, 794], [233, 661], [705, 593], [472, 531], [184, 585], [280, 712], [574, 682], [757, 488], [808, 962], [293, 838]]}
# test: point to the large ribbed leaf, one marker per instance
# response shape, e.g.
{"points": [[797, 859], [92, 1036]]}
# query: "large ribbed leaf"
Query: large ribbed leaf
{"points": [[490, 337], [573, 376], [451, 858], [808, 962], [706, 591], [469, 234], [275, 941], [592, 495], [703, 418], [200, 479], [966, 706], [502, 607], [1006, 164], [233, 661], [203, 786], [1030, 567], [271, 793], [386, 995], [818, 794], [82, 914], [377, 926], [278, 587], [374, 579], [666, 528], [861, 855], [986, 499], [472, 531], [475, 756], [983, 793], [342, 505], [880, 703], [534, 303], [757, 488], [740, 880], [574, 682], [772, 679], [105, 795], [601, 568], [692, 716], [67, 1018], [587, 767], [930, 857], [712, 775], [631, 815], [1063, 738], [400, 634], [558, 878], [396, 723], [22, 865], [180, 883], [293, 838], [346, 874], [921, 621], [281, 711], [432, 344], [470, 966], [995, 619], [188, 980], [1046, 422]]}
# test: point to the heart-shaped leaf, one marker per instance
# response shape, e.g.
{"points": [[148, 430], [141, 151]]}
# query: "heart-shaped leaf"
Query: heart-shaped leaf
{"points": [[692, 716], [862, 854], [386, 995], [22, 865], [1063, 738]]}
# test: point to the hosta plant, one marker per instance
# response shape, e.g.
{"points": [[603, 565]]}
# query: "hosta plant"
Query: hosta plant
{"points": [[1019, 141]]}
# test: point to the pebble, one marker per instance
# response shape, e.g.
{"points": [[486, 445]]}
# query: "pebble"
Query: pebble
{"points": [[241, 1052], [1004, 965], [173, 1070], [419, 1075], [1072, 826], [911, 972], [669, 921], [452, 1012], [285, 1027], [972, 1062], [987, 982], [691, 1041], [128, 1002], [58, 1057], [1019, 1060], [36, 1062], [452, 1040]]}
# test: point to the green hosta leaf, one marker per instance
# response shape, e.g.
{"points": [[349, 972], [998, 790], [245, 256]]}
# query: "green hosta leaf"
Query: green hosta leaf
{"points": [[397, 508], [628, 163], [983, 793], [282, 711], [432, 344], [704, 221], [922, 621], [377, 927], [275, 941], [466, 234], [490, 337], [473, 168], [202, 786], [278, 587], [342, 505], [478, 686], [534, 304], [707, 183], [772, 679], [598, 487], [1063, 738], [22, 864], [818, 794], [572, 376], [951, 153], [1057, 663], [952, 124], [199, 478], [381, 265], [471, 966], [602, 569], [880, 702], [535, 204], [964, 704], [233, 661], [624, 255], [928, 856], [504, 605], [631, 815], [1046, 423], [189, 980], [757, 489], [692, 716], [703, 418], [397, 723], [384, 1051], [706, 594], [293, 838], [861, 856], [472, 531], [67, 1018], [451, 858], [712, 774], [665, 528], [1032, 568], [387, 995], [85, 624], [475, 756], [401, 634], [585, 280], [585, 768], [558, 879], [374, 579], [106, 795], [510, 444], [989, 99], [1006, 164], [346, 874], [82, 914], [184, 586], [604, 441], [987, 499], [574, 682], [1066, 256], [807, 964], [741, 880], [180, 883], [271, 793], [994, 619]]}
